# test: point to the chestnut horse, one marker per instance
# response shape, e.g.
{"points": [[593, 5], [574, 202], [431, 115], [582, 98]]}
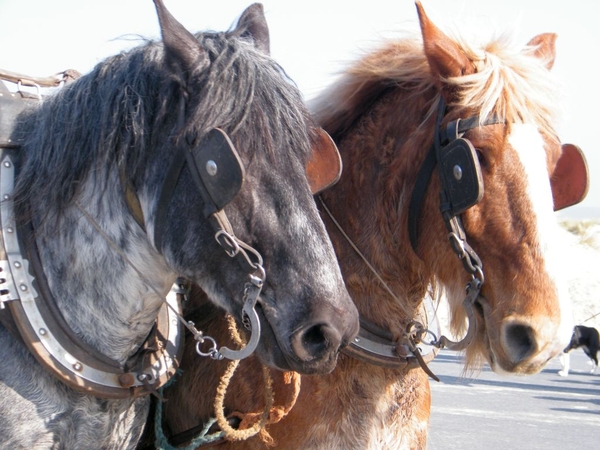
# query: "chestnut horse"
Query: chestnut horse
{"points": [[386, 113]]}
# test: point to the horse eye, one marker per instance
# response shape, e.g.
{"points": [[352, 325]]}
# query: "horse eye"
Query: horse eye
{"points": [[483, 162]]}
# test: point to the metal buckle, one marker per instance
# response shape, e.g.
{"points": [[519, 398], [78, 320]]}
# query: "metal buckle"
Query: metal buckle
{"points": [[7, 284]]}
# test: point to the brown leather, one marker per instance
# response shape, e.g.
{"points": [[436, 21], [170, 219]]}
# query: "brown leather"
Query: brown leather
{"points": [[51, 81], [570, 180], [324, 167]]}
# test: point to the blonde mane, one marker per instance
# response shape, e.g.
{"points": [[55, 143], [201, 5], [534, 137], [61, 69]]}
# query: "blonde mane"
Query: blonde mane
{"points": [[509, 81]]}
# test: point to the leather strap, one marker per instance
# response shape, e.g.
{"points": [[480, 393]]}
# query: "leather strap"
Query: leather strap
{"points": [[416, 199], [131, 199], [166, 194], [458, 127], [51, 81]]}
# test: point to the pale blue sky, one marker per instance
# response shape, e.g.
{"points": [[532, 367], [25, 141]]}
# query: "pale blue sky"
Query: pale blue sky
{"points": [[313, 40]]}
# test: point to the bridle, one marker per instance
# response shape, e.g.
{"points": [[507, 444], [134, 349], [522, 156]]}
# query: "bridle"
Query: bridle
{"points": [[218, 175], [461, 188], [460, 176]]}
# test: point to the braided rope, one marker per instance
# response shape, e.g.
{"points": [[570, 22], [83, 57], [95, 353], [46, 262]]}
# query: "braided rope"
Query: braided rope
{"points": [[230, 432], [253, 423]]}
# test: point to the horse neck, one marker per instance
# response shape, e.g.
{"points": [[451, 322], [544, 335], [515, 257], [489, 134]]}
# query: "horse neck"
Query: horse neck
{"points": [[106, 291], [381, 155]]}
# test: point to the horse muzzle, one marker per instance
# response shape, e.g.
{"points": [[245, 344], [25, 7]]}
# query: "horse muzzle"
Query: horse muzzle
{"points": [[519, 344], [310, 347]]}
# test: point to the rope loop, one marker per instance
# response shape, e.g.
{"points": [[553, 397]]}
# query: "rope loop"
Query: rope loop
{"points": [[252, 423]]}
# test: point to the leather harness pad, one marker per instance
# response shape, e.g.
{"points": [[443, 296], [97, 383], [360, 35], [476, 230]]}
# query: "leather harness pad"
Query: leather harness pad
{"points": [[324, 168], [570, 178], [461, 174], [219, 167]]}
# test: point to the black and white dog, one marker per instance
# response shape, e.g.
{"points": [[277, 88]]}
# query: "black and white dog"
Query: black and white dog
{"points": [[583, 337]]}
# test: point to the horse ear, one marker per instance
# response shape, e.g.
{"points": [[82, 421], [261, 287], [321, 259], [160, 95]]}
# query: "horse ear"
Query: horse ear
{"points": [[183, 51], [446, 59], [569, 181], [253, 24], [544, 48], [324, 167]]}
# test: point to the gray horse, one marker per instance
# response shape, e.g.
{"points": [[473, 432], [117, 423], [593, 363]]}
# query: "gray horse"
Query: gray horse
{"points": [[108, 261]]}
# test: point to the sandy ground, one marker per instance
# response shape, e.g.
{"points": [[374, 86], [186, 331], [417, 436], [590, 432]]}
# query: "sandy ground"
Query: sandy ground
{"points": [[582, 266]]}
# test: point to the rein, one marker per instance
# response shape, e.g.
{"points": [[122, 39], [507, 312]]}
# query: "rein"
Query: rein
{"points": [[380, 347]]}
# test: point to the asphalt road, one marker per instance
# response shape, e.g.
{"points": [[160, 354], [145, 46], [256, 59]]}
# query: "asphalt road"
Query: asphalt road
{"points": [[490, 412]]}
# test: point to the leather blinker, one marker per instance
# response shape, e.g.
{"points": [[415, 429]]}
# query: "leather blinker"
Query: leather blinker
{"points": [[461, 173], [222, 172], [220, 167]]}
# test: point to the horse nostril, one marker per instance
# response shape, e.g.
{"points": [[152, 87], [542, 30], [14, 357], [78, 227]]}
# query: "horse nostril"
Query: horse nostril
{"points": [[315, 342], [520, 342]]}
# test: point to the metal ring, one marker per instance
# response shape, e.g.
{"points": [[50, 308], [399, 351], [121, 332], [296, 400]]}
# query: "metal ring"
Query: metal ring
{"points": [[245, 248], [480, 276], [427, 331], [212, 351], [258, 280]]}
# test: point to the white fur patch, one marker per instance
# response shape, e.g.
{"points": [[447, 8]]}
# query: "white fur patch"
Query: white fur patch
{"points": [[528, 143]]}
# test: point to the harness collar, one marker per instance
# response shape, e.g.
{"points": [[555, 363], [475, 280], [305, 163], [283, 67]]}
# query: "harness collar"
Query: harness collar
{"points": [[45, 332]]}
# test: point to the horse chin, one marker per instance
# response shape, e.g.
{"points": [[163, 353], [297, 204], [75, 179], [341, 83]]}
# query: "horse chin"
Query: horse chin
{"points": [[502, 367], [277, 356]]}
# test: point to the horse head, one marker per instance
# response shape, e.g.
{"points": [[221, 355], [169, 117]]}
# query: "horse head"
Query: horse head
{"points": [[264, 200], [523, 310], [450, 149]]}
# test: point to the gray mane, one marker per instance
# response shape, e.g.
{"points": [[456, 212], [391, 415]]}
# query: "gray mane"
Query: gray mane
{"points": [[127, 108]]}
